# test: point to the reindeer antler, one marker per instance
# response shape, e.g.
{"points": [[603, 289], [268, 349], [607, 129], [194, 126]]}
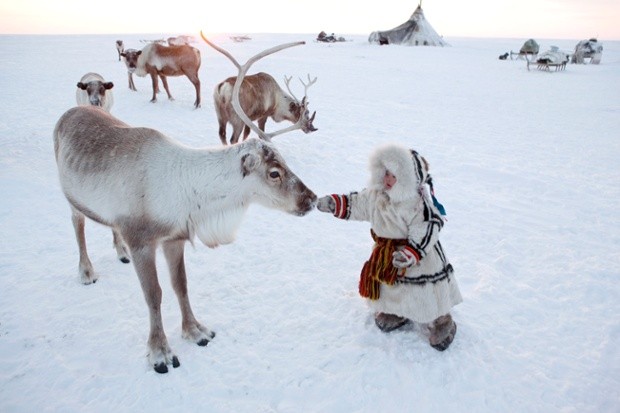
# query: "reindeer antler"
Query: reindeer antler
{"points": [[307, 85], [243, 69], [287, 81]]}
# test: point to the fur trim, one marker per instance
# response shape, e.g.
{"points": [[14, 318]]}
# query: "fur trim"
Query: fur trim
{"points": [[410, 170]]}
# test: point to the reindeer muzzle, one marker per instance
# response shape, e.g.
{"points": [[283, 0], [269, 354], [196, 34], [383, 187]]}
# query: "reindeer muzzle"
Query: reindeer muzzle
{"points": [[308, 126]]}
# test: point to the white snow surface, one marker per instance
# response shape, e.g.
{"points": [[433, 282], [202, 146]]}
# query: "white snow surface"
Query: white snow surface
{"points": [[527, 164]]}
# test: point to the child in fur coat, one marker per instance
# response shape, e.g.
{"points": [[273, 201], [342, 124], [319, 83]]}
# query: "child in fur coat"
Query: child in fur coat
{"points": [[407, 277]]}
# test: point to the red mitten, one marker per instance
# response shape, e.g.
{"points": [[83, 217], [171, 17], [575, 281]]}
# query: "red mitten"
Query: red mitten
{"points": [[405, 257]]}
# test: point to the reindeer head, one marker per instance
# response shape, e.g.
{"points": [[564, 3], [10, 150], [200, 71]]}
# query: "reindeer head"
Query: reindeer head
{"points": [[131, 59], [279, 187], [301, 108], [95, 90]]}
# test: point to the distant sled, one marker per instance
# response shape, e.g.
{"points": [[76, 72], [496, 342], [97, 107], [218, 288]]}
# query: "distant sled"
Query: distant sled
{"points": [[551, 60]]}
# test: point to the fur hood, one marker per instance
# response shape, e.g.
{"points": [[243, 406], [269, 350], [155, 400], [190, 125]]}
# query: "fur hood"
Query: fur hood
{"points": [[409, 168]]}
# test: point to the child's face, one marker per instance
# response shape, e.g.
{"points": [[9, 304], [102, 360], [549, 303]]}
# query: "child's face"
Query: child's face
{"points": [[389, 180]]}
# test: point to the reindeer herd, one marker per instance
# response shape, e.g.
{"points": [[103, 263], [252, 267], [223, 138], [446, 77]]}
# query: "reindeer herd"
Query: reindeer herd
{"points": [[154, 191]]}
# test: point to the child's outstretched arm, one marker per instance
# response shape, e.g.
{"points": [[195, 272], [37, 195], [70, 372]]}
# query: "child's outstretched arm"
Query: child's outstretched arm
{"points": [[351, 207]]}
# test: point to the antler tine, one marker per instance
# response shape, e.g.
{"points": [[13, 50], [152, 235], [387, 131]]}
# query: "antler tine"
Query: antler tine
{"points": [[310, 82], [295, 126], [243, 69], [307, 86], [287, 82]]}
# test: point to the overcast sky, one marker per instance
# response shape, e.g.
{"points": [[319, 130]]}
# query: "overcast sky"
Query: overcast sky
{"points": [[555, 19]]}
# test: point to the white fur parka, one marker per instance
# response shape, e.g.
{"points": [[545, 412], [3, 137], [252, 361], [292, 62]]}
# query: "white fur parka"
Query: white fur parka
{"points": [[428, 289]]}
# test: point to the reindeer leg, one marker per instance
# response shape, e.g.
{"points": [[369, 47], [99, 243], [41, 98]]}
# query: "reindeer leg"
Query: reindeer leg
{"points": [[192, 329], [246, 132], [237, 125], [222, 131], [196, 82], [119, 246], [86, 270], [160, 355], [155, 83], [132, 86], [164, 80]]}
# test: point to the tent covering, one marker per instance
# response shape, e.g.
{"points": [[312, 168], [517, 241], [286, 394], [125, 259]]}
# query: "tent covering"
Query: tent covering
{"points": [[529, 47], [416, 31], [588, 49]]}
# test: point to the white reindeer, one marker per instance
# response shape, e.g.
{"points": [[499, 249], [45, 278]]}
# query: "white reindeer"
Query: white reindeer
{"points": [[92, 89], [158, 192]]}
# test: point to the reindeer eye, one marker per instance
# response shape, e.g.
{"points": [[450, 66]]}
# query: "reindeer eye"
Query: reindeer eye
{"points": [[274, 174]]}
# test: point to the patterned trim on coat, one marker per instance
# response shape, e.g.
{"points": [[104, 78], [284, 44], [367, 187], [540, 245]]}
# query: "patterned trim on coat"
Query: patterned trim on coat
{"points": [[446, 271], [342, 204], [428, 278], [435, 225]]}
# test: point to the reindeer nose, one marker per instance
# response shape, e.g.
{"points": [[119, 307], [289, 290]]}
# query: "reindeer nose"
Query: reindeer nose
{"points": [[309, 127], [308, 202]]}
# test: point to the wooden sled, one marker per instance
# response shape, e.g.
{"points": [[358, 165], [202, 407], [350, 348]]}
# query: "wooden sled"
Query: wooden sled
{"points": [[550, 60], [546, 66]]}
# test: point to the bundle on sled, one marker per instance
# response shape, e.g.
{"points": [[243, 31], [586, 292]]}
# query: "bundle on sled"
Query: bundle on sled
{"points": [[551, 59], [324, 38]]}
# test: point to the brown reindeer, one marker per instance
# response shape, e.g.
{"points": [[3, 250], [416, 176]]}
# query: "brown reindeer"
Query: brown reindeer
{"points": [[260, 98], [158, 60], [158, 192]]}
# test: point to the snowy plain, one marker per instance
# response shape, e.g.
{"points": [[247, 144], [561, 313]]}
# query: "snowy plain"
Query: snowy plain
{"points": [[525, 162]]}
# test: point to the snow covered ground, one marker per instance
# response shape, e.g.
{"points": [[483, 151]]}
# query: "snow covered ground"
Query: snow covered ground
{"points": [[525, 162]]}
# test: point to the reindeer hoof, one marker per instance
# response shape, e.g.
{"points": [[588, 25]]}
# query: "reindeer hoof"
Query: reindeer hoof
{"points": [[161, 368], [203, 342], [125, 260]]}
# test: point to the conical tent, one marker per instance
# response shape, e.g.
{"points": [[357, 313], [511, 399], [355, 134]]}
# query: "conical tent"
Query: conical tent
{"points": [[416, 31]]}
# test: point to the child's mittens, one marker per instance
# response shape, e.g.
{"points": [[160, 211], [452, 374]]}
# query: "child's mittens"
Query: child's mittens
{"points": [[336, 204], [405, 257], [326, 204]]}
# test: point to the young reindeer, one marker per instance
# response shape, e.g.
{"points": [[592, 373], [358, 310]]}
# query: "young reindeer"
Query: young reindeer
{"points": [[158, 192], [261, 98]]}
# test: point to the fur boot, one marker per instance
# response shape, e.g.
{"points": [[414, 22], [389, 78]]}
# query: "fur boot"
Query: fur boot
{"points": [[389, 322], [442, 332]]}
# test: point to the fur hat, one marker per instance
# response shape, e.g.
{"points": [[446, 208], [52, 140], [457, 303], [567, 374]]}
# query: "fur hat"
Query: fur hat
{"points": [[409, 168]]}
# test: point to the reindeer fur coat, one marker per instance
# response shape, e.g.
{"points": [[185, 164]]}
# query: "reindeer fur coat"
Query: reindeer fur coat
{"points": [[406, 211]]}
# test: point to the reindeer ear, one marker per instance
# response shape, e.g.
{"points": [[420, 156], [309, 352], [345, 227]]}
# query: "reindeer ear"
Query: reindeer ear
{"points": [[249, 163], [108, 85], [82, 86]]}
